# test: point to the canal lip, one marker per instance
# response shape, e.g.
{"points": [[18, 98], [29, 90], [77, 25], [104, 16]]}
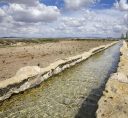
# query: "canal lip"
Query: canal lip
{"points": [[29, 77], [90, 104], [115, 92]]}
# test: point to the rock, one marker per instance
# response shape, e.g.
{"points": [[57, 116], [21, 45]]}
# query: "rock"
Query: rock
{"points": [[120, 77], [67, 101], [29, 71]]}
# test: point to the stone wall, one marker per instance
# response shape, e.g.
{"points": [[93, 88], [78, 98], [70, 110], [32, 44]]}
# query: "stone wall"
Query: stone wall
{"points": [[114, 102], [28, 77]]}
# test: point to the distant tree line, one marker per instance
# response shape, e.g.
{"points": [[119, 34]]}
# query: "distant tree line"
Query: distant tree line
{"points": [[125, 36]]}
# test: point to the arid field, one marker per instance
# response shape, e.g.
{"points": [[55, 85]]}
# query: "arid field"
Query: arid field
{"points": [[15, 55]]}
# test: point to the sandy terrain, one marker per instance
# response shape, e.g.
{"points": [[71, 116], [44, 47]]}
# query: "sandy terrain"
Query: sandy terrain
{"points": [[13, 58]]}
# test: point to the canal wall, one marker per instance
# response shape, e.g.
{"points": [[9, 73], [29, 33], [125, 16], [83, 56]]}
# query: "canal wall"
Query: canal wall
{"points": [[114, 102], [31, 76]]}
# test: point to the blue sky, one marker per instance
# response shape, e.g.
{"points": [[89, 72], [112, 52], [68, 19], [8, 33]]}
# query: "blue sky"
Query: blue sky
{"points": [[60, 3], [105, 4], [63, 18]]}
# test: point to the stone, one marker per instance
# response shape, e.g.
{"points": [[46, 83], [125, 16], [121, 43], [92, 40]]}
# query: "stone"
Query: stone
{"points": [[67, 101], [120, 76]]}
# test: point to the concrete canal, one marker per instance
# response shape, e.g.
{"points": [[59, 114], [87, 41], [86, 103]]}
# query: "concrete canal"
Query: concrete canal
{"points": [[66, 94]]}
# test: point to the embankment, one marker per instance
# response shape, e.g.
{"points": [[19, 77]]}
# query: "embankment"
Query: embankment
{"points": [[32, 76], [114, 102]]}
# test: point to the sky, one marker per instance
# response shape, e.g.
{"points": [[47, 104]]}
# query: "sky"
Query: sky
{"points": [[63, 18]]}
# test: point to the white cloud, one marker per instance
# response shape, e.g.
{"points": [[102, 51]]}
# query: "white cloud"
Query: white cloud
{"points": [[122, 5], [102, 23], [77, 4], [19, 17], [73, 22], [93, 23], [37, 13], [2, 15], [126, 19], [31, 16], [40, 13]]}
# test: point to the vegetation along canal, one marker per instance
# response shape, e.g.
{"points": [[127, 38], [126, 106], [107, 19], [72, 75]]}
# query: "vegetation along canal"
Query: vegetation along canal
{"points": [[70, 94]]}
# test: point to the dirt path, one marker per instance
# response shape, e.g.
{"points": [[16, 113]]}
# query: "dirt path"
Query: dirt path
{"points": [[13, 58]]}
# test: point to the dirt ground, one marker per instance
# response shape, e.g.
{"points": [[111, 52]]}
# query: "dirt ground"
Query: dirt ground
{"points": [[13, 58]]}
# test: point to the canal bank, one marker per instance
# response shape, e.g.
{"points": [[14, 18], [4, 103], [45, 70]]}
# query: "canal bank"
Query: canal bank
{"points": [[114, 102], [62, 95]]}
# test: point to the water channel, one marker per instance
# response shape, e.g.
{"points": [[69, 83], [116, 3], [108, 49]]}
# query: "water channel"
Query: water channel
{"points": [[63, 95]]}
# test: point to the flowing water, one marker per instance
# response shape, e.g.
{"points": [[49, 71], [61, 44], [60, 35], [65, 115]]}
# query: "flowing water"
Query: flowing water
{"points": [[62, 95]]}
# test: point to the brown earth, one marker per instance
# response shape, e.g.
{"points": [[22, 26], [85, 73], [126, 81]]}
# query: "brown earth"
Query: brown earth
{"points": [[13, 58]]}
